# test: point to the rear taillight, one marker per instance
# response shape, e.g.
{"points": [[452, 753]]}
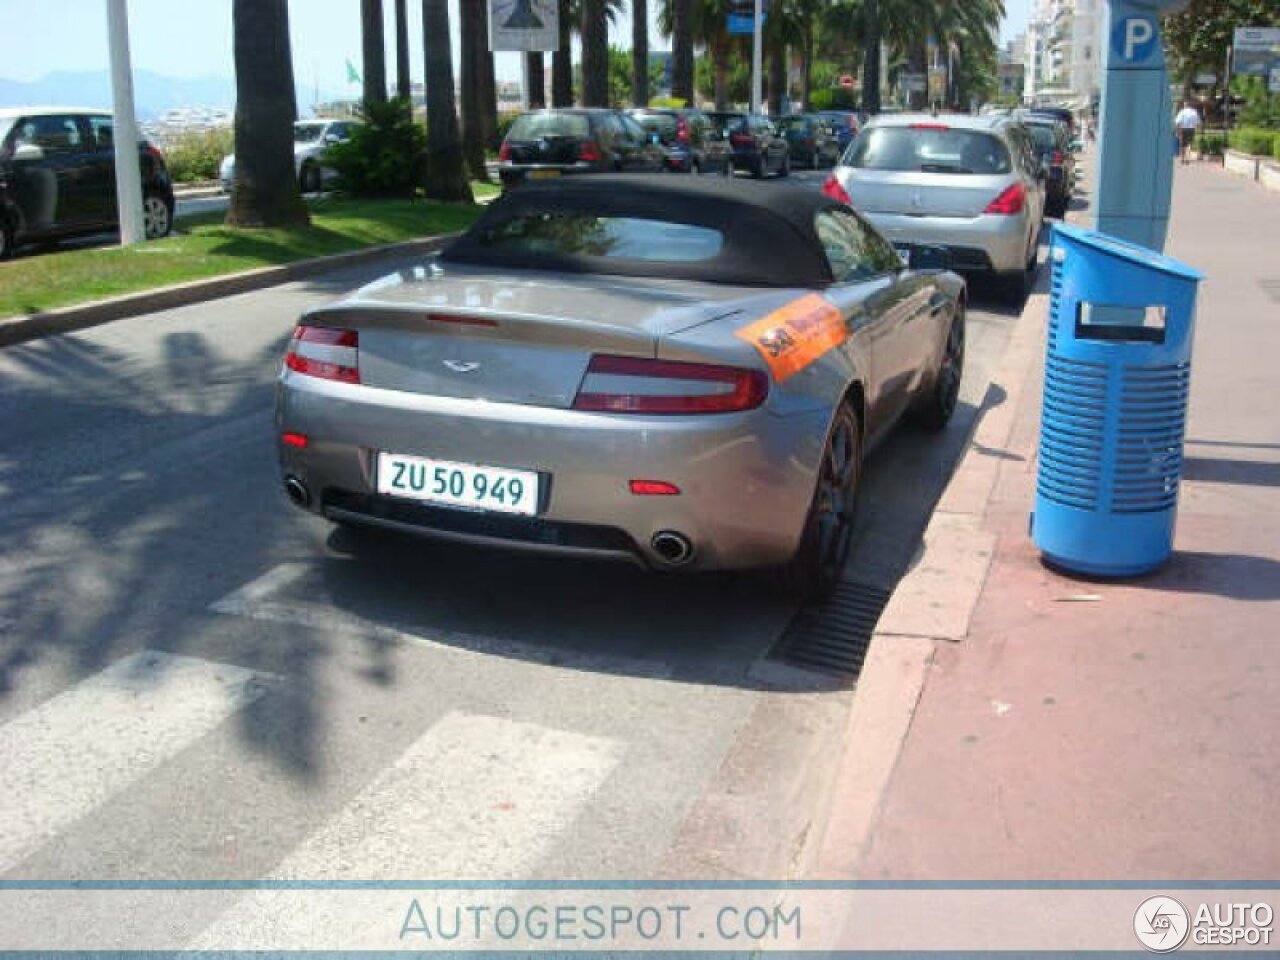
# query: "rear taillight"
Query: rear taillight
{"points": [[639, 385], [156, 156], [589, 151], [504, 152], [1056, 159], [1009, 202], [325, 353], [929, 126], [832, 188], [742, 140], [682, 130]]}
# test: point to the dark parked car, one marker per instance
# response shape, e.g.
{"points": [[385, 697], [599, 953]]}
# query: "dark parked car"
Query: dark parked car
{"points": [[545, 144], [844, 124], [811, 140], [58, 177], [688, 138], [757, 147], [1052, 141], [1057, 113]]}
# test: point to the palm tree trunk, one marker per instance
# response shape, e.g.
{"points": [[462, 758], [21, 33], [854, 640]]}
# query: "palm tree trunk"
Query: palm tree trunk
{"points": [[404, 84], [535, 80], [375, 58], [488, 90], [806, 66], [918, 64], [562, 63], [640, 53], [682, 50], [265, 191], [471, 84], [871, 57], [720, 51], [595, 54], [446, 175], [777, 76]]}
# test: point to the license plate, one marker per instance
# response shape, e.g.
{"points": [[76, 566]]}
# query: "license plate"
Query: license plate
{"points": [[543, 174], [452, 484]]}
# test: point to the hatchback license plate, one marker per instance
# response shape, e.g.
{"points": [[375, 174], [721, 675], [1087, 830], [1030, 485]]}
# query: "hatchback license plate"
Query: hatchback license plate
{"points": [[458, 484], [543, 174]]}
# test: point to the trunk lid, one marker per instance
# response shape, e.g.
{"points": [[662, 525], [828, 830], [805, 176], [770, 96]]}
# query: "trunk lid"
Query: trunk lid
{"points": [[922, 194], [468, 333]]}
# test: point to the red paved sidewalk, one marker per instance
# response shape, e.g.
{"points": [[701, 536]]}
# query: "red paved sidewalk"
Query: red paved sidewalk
{"points": [[1110, 731]]}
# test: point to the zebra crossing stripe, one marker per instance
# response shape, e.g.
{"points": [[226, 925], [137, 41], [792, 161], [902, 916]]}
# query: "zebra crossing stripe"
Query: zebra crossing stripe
{"points": [[60, 760]]}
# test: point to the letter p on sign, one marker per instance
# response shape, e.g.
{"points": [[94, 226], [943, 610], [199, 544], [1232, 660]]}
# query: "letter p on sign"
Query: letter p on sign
{"points": [[1134, 38]]}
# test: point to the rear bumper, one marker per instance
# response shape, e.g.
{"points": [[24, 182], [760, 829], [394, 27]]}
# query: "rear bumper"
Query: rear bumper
{"points": [[986, 243], [512, 175], [745, 479]]}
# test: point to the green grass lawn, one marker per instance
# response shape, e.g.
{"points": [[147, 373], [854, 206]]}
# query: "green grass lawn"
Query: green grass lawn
{"points": [[202, 246]]}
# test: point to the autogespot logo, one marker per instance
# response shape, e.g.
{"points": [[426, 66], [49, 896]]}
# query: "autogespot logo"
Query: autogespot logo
{"points": [[1161, 924]]}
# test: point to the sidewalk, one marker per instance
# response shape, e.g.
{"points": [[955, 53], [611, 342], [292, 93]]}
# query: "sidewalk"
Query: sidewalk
{"points": [[1084, 730]]}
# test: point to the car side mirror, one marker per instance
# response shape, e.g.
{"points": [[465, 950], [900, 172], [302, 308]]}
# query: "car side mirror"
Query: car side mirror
{"points": [[28, 151], [929, 257]]}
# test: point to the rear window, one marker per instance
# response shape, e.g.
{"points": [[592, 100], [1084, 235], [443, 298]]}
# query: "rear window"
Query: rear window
{"points": [[581, 235], [730, 122], [534, 126], [792, 123], [661, 123], [306, 132], [1045, 138], [928, 150]]}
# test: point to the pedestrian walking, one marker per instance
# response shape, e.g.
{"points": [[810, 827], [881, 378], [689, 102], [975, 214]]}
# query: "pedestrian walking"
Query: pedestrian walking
{"points": [[1187, 123]]}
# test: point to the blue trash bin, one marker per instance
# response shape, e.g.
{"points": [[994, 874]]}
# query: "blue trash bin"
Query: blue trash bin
{"points": [[1117, 378]]}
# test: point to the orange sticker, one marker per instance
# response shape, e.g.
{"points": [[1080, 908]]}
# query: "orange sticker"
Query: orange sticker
{"points": [[794, 336]]}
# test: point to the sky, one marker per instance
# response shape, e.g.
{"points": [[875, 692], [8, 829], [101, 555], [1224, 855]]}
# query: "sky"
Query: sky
{"points": [[192, 38]]}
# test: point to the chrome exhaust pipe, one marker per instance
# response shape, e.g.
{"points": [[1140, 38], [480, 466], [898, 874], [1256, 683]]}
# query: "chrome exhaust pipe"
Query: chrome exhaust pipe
{"points": [[297, 491], [674, 548]]}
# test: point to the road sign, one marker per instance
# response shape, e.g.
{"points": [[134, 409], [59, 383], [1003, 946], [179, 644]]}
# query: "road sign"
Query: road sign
{"points": [[1134, 38], [524, 25], [913, 82], [1256, 51], [742, 15], [1206, 79]]}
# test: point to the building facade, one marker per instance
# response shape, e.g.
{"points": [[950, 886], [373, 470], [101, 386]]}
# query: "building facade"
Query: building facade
{"points": [[1064, 53]]}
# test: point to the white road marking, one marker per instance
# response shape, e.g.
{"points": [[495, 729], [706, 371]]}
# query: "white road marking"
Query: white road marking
{"points": [[60, 760], [476, 797], [255, 600]]}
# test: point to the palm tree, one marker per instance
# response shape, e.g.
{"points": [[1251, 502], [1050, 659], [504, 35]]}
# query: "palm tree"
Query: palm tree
{"points": [[265, 191], [404, 87], [561, 61], [535, 79], [871, 56], [709, 27], [375, 60], [595, 54], [446, 173], [682, 50], [640, 52], [475, 44]]}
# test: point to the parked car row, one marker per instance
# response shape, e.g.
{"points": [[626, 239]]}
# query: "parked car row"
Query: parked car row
{"points": [[311, 138]]}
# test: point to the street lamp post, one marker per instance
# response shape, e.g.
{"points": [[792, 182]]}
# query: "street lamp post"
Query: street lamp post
{"points": [[125, 125]]}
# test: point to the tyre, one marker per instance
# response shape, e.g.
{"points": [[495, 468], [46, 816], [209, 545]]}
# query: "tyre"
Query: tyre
{"points": [[827, 537], [757, 167], [6, 239], [726, 169], [309, 178], [785, 169], [940, 403], [157, 215], [1012, 287]]}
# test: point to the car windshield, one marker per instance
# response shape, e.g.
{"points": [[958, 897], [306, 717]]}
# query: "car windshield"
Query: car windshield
{"points": [[792, 123], [583, 235], [929, 149], [307, 132], [660, 123], [535, 126]]}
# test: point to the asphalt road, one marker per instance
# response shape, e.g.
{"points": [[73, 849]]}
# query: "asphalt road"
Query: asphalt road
{"points": [[198, 681]]}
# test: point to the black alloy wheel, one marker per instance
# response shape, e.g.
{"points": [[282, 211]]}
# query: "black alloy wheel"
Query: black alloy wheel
{"points": [[944, 394]]}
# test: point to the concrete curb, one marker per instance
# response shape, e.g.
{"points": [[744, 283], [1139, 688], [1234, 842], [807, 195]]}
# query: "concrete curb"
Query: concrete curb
{"points": [[15, 330], [932, 603]]}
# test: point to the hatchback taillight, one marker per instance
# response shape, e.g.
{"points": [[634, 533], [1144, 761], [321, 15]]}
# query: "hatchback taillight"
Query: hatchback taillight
{"points": [[1056, 159], [589, 151], [640, 385], [325, 352], [742, 140], [682, 130], [1010, 202], [504, 152]]}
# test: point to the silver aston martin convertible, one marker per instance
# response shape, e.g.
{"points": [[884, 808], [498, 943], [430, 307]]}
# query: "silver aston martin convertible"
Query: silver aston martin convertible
{"points": [[683, 372]]}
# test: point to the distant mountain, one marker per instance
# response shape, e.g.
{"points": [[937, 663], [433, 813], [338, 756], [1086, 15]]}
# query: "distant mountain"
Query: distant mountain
{"points": [[153, 93]]}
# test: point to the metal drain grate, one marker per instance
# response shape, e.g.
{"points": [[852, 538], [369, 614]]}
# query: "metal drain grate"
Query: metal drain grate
{"points": [[834, 637], [1271, 288]]}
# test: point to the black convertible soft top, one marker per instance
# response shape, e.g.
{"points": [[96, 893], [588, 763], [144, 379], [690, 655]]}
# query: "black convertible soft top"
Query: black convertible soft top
{"points": [[768, 228]]}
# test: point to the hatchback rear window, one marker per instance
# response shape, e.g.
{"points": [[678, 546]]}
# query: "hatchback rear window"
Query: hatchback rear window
{"points": [[581, 235], [729, 122], [306, 132], [535, 126], [1045, 138], [928, 149], [661, 123]]}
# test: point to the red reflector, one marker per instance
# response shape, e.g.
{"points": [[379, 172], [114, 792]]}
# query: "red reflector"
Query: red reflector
{"points": [[504, 152], [587, 150], [1057, 158], [654, 386], [929, 126], [298, 440], [682, 130], [831, 187], [325, 353], [1011, 201], [654, 488]]}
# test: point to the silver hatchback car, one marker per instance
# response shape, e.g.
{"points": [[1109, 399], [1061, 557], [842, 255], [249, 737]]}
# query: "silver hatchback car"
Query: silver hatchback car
{"points": [[971, 184]]}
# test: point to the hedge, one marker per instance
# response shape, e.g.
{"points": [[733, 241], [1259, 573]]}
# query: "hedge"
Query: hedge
{"points": [[1253, 140], [197, 154]]}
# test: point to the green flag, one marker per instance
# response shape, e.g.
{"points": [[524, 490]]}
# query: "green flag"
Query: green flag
{"points": [[352, 76]]}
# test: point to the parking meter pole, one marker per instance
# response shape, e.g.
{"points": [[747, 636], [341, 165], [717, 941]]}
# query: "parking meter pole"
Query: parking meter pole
{"points": [[1135, 162], [125, 126]]}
